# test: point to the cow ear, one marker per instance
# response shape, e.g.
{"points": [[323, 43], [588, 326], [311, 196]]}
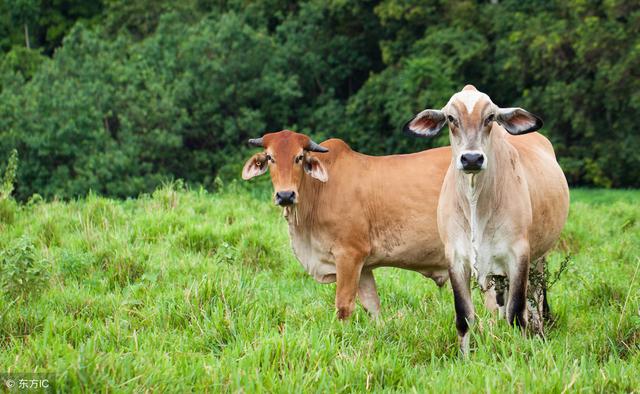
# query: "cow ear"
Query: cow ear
{"points": [[426, 124], [315, 169], [256, 165], [518, 121]]}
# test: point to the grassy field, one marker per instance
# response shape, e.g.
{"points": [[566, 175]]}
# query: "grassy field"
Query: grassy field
{"points": [[187, 290]]}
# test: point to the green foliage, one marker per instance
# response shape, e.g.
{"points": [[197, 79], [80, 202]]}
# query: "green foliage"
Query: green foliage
{"points": [[578, 70], [22, 13], [8, 209], [22, 61], [45, 23], [182, 291], [8, 180], [142, 92], [8, 206], [22, 271]]}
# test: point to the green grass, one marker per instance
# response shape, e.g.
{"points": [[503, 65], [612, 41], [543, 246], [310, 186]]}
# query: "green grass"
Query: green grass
{"points": [[185, 290]]}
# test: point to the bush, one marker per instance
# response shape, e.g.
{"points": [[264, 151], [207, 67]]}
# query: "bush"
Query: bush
{"points": [[22, 272], [9, 178]]}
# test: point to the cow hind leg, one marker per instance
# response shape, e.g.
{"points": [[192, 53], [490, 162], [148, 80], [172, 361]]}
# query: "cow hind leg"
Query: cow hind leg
{"points": [[546, 309], [368, 293], [495, 295], [517, 302], [502, 294], [491, 299]]}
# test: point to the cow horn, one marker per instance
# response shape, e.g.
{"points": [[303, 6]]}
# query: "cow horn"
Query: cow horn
{"points": [[313, 147], [256, 142]]}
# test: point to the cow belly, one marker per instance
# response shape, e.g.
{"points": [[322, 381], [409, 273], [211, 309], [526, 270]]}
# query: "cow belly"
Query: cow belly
{"points": [[399, 246], [417, 257], [316, 258]]}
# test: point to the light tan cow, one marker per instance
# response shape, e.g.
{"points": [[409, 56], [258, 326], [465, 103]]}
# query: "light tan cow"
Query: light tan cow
{"points": [[503, 204], [349, 213]]}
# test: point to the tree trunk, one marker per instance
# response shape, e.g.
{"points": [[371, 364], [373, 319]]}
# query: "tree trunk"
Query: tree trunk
{"points": [[26, 36]]}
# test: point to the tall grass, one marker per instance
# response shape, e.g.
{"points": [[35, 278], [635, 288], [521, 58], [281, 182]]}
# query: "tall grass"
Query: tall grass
{"points": [[185, 290]]}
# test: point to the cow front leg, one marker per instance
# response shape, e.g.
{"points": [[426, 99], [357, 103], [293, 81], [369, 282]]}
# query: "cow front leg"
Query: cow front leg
{"points": [[517, 302], [348, 269], [460, 283], [368, 293]]}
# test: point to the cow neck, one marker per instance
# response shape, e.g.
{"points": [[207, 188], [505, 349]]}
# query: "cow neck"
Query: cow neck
{"points": [[479, 193]]}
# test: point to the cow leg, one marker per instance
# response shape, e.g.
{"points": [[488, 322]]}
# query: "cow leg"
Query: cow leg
{"points": [[502, 294], [490, 299], [495, 295], [460, 283], [517, 303], [348, 268], [546, 309], [368, 293]]}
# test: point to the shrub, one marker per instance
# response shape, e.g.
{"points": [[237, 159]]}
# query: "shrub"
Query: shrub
{"points": [[22, 272]]}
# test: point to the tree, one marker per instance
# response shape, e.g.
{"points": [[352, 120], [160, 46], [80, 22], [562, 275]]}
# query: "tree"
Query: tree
{"points": [[23, 13], [117, 96]]}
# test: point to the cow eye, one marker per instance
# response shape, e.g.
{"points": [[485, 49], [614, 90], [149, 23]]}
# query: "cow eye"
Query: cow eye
{"points": [[489, 119], [452, 120], [299, 158], [269, 158]]}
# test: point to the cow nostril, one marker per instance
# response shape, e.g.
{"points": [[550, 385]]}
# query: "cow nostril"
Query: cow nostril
{"points": [[472, 160], [285, 197]]}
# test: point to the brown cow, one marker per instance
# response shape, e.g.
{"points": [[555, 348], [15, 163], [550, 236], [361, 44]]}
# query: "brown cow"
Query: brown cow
{"points": [[503, 204], [349, 213]]}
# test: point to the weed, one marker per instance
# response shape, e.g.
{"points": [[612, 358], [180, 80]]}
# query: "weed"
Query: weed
{"points": [[8, 180], [22, 271]]}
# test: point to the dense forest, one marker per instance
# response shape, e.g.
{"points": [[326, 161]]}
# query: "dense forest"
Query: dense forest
{"points": [[117, 96]]}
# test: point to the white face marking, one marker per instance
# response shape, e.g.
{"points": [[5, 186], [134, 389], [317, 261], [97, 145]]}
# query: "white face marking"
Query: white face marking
{"points": [[469, 98]]}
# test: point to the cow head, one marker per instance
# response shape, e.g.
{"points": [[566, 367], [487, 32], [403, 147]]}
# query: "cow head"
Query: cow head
{"points": [[470, 115], [286, 155]]}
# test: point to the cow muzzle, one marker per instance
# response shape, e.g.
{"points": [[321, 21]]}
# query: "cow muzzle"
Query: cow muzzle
{"points": [[472, 161], [285, 198]]}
